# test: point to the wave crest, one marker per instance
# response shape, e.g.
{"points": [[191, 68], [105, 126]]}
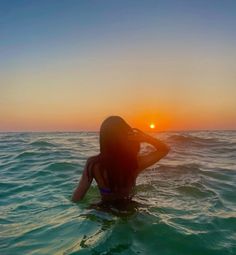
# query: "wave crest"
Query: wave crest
{"points": [[41, 143], [191, 139]]}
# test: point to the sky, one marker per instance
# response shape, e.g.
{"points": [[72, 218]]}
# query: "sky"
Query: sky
{"points": [[67, 65]]}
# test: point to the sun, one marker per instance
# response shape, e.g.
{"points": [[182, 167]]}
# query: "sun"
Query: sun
{"points": [[152, 126]]}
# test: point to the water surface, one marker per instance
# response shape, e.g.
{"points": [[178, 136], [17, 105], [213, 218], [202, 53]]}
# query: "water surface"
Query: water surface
{"points": [[186, 202]]}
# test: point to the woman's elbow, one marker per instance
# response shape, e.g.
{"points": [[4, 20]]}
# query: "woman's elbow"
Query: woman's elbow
{"points": [[76, 197]]}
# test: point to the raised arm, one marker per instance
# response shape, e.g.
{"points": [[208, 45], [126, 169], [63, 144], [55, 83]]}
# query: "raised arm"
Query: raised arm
{"points": [[151, 158], [83, 186]]}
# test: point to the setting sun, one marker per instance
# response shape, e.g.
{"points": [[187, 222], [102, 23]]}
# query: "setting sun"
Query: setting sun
{"points": [[152, 125]]}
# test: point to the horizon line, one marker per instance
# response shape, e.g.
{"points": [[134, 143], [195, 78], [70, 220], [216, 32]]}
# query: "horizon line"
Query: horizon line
{"points": [[96, 131]]}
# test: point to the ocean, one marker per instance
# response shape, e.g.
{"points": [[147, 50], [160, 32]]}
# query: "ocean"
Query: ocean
{"points": [[186, 203]]}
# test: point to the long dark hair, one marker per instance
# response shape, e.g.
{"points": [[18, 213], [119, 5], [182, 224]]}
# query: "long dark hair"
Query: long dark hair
{"points": [[118, 155]]}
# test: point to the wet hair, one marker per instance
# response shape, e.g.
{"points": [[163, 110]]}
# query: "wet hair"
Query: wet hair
{"points": [[118, 155]]}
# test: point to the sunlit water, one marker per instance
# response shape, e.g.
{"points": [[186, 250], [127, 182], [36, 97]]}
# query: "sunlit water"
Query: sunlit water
{"points": [[186, 202]]}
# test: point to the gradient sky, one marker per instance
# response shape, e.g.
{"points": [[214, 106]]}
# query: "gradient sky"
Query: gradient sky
{"points": [[66, 65]]}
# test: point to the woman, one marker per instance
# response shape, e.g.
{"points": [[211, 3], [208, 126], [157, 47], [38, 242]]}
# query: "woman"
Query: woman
{"points": [[117, 166]]}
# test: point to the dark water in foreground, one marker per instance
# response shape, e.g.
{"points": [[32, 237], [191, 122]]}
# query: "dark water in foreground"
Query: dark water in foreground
{"points": [[187, 201]]}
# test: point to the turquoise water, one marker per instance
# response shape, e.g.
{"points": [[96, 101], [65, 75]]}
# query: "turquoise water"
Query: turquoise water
{"points": [[186, 202]]}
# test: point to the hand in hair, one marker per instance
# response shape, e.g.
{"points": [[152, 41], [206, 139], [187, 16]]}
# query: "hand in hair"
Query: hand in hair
{"points": [[138, 135], [151, 158]]}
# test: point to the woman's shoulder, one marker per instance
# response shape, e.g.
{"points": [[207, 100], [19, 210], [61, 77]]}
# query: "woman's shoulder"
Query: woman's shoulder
{"points": [[92, 162]]}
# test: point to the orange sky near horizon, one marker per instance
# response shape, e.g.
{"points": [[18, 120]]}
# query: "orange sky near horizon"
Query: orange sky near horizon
{"points": [[80, 95]]}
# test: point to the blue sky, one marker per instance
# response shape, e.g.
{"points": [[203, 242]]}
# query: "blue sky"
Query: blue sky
{"points": [[55, 25]]}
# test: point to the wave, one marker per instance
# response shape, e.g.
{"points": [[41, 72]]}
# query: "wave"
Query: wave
{"points": [[190, 139], [226, 150], [193, 191], [181, 168], [62, 166], [41, 143], [12, 140], [27, 154]]}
